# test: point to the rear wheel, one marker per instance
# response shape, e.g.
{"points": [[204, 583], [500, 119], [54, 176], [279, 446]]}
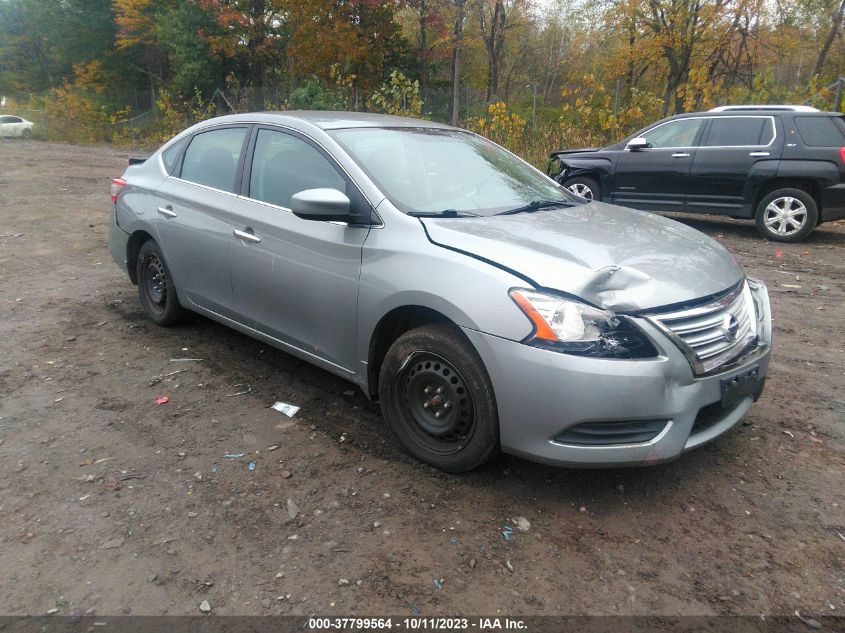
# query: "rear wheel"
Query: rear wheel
{"points": [[786, 215], [585, 187], [436, 396], [26, 133], [155, 286]]}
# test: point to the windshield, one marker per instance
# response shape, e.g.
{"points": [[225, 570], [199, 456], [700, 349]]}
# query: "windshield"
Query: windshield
{"points": [[432, 170]]}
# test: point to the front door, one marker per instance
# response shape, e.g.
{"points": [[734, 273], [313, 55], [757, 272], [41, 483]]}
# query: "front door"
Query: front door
{"points": [[295, 280], [655, 178], [735, 151], [192, 218]]}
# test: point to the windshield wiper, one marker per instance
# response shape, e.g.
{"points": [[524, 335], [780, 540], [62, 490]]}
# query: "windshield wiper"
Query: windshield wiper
{"points": [[445, 213], [536, 205]]}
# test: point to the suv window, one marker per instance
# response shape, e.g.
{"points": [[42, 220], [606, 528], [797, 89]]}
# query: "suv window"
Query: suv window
{"points": [[680, 133], [821, 131], [171, 155], [284, 164], [212, 158], [740, 131]]}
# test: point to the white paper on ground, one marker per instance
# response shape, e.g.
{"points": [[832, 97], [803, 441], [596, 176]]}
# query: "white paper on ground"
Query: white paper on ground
{"points": [[288, 409]]}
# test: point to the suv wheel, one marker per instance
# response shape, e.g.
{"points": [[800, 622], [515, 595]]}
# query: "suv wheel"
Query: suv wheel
{"points": [[584, 187], [787, 215], [437, 398], [155, 286]]}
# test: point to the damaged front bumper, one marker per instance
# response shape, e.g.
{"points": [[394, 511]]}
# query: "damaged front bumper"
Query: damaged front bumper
{"points": [[588, 412]]}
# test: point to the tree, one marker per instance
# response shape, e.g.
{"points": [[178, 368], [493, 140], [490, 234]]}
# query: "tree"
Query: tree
{"points": [[458, 36]]}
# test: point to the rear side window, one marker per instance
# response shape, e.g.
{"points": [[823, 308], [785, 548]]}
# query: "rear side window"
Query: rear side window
{"points": [[284, 164], [9, 119], [212, 158], [171, 155], [740, 131], [821, 131]]}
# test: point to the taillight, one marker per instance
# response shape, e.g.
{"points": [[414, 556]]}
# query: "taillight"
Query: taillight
{"points": [[842, 154], [117, 185]]}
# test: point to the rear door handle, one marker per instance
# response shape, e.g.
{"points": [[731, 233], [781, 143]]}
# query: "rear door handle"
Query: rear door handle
{"points": [[758, 154], [167, 211], [680, 155], [246, 236]]}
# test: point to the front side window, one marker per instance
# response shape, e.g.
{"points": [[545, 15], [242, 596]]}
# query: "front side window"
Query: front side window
{"points": [[680, 133], [212, 158], [432, 170], [284, 164], [740, 131]]}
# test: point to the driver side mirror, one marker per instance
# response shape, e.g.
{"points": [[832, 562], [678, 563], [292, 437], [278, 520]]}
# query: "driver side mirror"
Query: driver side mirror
{"points": [[321, 204], [639, 142]]}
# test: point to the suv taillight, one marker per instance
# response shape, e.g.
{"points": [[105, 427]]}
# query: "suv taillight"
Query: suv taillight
{"points": [[842, 154], [117, 185]]}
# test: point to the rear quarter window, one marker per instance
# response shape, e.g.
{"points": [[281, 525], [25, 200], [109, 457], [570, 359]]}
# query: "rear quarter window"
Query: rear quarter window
{"points": [[821, 131]]}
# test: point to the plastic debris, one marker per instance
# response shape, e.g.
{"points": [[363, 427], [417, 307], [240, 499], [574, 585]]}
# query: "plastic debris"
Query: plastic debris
{"points": [[205, 607], [288, 409], [522, 524], [438, 582], [778, 253], [413, 607], [185, 360], [293, 509], [507, 532], [252, 465], [162, 400], [233, 455]]}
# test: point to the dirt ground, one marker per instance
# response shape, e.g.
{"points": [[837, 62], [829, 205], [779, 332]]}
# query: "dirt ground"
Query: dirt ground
{"points": [[111, 504]]}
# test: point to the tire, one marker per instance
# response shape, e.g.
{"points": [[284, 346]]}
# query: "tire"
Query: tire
{"points": [[786, 215], [584, 187], [458, 429], [156, 288], [26, 133]]}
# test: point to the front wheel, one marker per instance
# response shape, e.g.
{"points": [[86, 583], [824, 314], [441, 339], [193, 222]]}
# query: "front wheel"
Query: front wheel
{"points": [[584, 187], [786, 215], [155, 286], [437, 398]]}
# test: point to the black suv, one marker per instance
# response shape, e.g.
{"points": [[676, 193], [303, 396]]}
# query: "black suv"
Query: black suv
{"points": [[784, 166]]}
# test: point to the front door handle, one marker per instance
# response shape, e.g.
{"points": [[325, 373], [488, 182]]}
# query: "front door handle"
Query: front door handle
{"points": [[680, 155], [758, 154], [167, 211], [246, 236]]}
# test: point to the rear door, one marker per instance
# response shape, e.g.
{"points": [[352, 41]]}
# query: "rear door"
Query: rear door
{"points": [[656, 178], [192, 215], [736, 152], [295, 280]]}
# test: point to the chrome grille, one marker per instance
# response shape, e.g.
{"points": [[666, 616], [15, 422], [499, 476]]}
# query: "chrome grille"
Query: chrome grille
{"points": [[712, 334]]}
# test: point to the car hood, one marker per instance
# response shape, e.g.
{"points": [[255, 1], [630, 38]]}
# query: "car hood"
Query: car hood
{"points": [[613, 257]]}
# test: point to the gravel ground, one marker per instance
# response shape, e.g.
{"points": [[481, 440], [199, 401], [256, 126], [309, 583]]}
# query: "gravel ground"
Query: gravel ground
{"points": [[111, 504]]}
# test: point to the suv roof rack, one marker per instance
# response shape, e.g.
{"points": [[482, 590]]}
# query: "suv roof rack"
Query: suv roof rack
{"points": [[784, 108]]}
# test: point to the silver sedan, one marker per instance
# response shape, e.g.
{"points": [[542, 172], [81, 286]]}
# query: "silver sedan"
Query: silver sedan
{"points": [[481, 303]]}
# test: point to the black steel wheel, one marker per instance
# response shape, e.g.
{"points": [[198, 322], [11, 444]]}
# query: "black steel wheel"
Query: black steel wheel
{"points": [[437, 398], [155, 286]]}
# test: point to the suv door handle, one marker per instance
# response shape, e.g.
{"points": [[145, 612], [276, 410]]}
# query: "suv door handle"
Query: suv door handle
{"points": [[167, 211], [246, 236], [758, 154], [680, 155]]}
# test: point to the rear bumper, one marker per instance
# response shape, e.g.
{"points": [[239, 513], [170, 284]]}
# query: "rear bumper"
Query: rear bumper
{"points": [[542, 393], [118, 242], [833, 203]]}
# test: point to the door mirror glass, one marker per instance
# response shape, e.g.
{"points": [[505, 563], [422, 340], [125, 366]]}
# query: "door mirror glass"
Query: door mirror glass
{"points": [[320, 204], [639, 142]]}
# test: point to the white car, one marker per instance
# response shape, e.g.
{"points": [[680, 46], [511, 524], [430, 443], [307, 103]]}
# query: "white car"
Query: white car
{"points": [[15, 126]]}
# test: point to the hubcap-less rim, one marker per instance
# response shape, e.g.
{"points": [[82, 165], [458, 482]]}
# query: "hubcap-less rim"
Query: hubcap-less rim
{"points": [[580, 189], [786, 215], [439, 406], [156, 282]]}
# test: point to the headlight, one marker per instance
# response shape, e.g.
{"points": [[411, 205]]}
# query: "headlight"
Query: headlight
{"points": [[573, 327]]}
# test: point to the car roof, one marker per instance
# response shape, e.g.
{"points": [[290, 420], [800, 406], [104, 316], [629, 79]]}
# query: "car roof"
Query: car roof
{"points": [[328, 120]]}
